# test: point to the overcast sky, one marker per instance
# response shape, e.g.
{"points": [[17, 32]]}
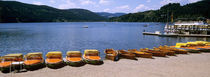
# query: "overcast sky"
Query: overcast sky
{"points": [[126, 6]]}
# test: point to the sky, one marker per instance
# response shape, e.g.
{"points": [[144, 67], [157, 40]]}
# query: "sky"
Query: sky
{"points": [[112, 6]]}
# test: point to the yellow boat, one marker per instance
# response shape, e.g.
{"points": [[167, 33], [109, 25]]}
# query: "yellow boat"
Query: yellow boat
{"points": [[92, 56], [140, 53], [203, 46], [54, 59], [33, 61], [74, 58], [6, 64], [188, 47], [111, 54]]}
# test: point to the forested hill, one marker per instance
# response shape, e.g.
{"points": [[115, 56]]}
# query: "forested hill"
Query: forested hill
{"points": [[194, 11], [13, 11]]}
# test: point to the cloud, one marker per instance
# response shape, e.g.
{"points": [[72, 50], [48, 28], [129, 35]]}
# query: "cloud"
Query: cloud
{"points": [[192, 1], [148, 1], [141, 7], [52, 1], [87, 2], [37, 3], [104, 1], [106, 10], [123, 8], [68, 4]]}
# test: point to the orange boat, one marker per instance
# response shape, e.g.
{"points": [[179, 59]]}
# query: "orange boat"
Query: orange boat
{"points": [[140, 53], [33, 61], [92, 56], [6, 64], [176, 50], [157, 53], [54, 59], [74, 58], [125, 54], [168, 51], [111, 54]]}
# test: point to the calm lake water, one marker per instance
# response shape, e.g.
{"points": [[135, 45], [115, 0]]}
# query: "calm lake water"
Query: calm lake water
{"points": [[44, 37]]}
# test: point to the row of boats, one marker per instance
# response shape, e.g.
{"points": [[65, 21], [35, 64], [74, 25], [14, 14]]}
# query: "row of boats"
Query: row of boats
{"points": [[54, 59]]}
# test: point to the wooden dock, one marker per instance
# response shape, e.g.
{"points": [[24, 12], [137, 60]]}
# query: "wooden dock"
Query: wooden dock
{"points": [[175, 35]]}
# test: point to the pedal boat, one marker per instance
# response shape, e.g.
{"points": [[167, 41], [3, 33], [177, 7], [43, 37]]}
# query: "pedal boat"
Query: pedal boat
{"points": [[33, 61], [74, 58], [92, 56], [54, 59], [7, 65]]}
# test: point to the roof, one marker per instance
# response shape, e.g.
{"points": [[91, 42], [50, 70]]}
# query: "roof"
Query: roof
{"points": [[13, 55], [73, 52], [54, 53], [34, 54], [91, 51], [69, 52], [189, 23]]}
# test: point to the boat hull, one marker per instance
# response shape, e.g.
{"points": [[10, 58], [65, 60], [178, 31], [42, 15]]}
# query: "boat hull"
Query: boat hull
{"points": [[113, 58], [144, 55], [93, 61], [128, 56], [55, 65], [159, 54], [77, 63], [180, 52], [35, 66], [6, 69]]}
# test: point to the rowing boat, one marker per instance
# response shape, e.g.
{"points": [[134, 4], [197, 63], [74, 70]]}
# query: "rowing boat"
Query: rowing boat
{"points": [[176, 50], [125, 54], [157, 53], [111, 54], [140, 53], [74, 58], [188, 47], [168, 51]]}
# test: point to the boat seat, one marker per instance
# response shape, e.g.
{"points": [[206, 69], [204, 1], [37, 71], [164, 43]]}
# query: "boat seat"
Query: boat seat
{"points": [[74, 59], [5, 64], [93, 57], [53, 60], [29, 62]]}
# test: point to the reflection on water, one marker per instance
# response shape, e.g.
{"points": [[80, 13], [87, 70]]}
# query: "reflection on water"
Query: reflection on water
{"points": [[44, 37]]}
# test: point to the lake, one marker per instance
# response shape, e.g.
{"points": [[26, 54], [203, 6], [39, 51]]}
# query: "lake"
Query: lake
{"points": [[45, 37]]}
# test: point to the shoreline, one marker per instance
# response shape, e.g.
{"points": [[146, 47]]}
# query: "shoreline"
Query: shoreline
{"points": [[191, 65]]}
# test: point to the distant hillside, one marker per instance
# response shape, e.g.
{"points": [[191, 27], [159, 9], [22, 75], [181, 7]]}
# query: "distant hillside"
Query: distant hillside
{"points": [[109, 15], [12, 11], [194, 11]]}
